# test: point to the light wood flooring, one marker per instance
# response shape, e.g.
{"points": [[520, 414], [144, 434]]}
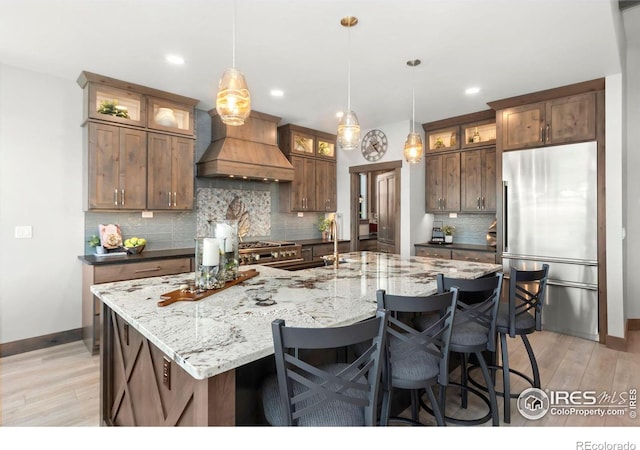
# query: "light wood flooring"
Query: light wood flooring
{"points": [[59, 386]]}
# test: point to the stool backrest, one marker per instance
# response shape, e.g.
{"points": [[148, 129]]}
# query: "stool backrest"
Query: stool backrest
{"points": [[355, 384], [478, 301], [436, 337], [526, 293]]}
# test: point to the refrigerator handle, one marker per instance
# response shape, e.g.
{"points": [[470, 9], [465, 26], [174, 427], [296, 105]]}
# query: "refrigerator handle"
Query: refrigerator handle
{"points": [[505, 212]]}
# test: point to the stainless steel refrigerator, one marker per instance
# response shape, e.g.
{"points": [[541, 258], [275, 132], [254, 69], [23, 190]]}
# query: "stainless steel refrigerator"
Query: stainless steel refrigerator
{"points": [[550, 216]]}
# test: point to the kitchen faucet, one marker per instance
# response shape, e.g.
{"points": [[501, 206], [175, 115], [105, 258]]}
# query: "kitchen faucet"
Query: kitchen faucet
{"points": [[334, 233]]}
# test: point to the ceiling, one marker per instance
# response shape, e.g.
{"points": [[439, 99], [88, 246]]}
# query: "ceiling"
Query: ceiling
{"points": [[505, 47]]}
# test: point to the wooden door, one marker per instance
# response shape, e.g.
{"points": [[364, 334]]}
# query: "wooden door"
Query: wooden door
{"points": [[182, 167], [104, 166], [571, 119], [133, 169], [433, 186], [471, 182], [159, 178], [387, 208], [489, 180], [522, 126], [451, 182]]}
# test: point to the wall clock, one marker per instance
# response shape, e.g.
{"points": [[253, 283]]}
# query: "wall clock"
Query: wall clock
{"points": [[374, 145]]}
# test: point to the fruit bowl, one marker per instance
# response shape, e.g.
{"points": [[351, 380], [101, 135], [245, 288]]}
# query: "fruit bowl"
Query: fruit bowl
{"points": [[134, 250]]}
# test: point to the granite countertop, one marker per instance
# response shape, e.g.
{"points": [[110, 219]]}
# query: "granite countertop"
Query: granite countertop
{"points": [[150, 255], [228, 329], [455, 246]]}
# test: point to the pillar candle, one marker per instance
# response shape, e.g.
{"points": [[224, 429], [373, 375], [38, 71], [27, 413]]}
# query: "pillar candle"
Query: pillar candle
{"points": [[224, 233], [210, 252]]}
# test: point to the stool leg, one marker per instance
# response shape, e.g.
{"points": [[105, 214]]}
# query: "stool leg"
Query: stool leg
{"points": [[385, 411], [505, 378], [463, 379], [435, 407], [415, 404], [534, 363], [490, 388]]}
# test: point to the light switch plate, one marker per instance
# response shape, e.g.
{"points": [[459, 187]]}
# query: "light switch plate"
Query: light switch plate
{"points": [[24, 231]]}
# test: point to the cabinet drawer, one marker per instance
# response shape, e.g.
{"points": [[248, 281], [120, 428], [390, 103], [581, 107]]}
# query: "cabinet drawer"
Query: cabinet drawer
{"points": [[482, 257], [121, 272], [327, 249], [431, 252]]}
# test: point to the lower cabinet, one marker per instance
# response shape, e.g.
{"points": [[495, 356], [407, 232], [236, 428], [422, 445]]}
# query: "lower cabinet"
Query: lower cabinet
{"points": [[459, 255], [96, 274]]}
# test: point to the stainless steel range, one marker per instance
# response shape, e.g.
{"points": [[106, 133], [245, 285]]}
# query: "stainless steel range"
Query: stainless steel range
{"points": [[269, 253]]}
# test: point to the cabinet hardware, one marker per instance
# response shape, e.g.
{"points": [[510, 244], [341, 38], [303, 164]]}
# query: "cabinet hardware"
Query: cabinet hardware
{"points": [[126, 334], [153, 269], [478, 203], [548, 132], [482, 202], [115, 197], [166, 372], [175, 199], [169, 193], [122, 197]]}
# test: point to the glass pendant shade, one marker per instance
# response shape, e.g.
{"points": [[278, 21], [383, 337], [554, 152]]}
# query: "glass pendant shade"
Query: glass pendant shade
{"points": [[233, 102], [413, 148], [349, 132]]}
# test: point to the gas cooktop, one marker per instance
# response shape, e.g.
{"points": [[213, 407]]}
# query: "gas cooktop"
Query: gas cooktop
{"points": [[263, 244]]}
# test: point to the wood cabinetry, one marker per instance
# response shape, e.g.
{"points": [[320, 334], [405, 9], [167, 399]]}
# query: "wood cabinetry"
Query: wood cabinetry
{"points": [[443, 182], [388, 208], [456, 253], [312, 155], [117, 170], [478, 180], [139, 145], [170, 176], [96, 274], [558, 121]]}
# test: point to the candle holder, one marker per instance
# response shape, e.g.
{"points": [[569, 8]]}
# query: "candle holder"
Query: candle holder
{"points": [[208, 264], [226, 231]]}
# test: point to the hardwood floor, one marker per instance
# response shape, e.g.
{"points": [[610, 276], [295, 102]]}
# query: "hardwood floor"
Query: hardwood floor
{"points": [[59, 386]]}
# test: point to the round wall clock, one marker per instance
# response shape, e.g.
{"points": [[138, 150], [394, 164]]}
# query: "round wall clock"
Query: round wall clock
{"points": [[374, 145]]}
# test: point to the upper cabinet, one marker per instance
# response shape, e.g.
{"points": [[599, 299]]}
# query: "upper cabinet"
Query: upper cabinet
{"points": [[140, 146], [557, 121], [313, 156], [443, 139]]}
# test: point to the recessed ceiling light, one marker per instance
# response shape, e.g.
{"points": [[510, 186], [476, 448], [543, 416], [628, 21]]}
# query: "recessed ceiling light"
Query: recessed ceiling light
{"points": [[277, 92], [472, 90], [175, 59]]}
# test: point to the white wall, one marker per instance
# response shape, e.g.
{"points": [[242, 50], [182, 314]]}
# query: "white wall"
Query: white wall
{"points": [[41, 186], [415, 224]]}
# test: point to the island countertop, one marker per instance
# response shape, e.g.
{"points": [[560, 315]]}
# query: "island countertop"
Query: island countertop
{"points": [[229, 329]]}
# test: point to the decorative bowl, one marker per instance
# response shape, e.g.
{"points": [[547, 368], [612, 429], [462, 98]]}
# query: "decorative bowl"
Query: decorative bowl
{"points": [[134, 250]]}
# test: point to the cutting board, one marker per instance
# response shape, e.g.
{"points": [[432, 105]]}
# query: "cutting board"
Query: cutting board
{"points": [[180, 296]]}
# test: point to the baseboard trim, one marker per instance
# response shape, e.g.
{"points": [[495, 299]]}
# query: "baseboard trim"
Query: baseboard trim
{"points": [[633, 324], [39, 342]]}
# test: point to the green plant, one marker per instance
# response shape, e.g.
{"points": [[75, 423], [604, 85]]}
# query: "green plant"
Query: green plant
{"points": [[94, 241], [324, 224], [448, 230], [112, 108]]}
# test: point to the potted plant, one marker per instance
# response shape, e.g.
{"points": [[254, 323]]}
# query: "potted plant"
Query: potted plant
{"points": [[323, 225], [448, 233], [94, 242]]}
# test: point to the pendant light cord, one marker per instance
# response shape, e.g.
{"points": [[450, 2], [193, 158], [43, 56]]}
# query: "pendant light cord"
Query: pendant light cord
{"points": [[233, 37], [413, 97], [349, 69]]}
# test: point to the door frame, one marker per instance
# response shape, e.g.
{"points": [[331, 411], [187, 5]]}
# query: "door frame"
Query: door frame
{"points": [[354, 172]]}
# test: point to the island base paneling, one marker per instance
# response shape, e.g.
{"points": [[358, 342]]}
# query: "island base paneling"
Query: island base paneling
{"points": [[140, 386]]}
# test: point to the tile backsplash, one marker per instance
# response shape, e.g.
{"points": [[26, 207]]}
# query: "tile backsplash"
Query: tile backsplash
{"points": [[470, 228]]}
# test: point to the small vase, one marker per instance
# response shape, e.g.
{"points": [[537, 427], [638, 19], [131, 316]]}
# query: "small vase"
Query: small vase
{"points": [[166, 118], [448, 238], [325, 235]]}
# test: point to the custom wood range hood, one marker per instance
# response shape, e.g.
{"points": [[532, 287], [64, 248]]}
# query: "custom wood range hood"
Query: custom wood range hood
{"points": [[249, 151]]}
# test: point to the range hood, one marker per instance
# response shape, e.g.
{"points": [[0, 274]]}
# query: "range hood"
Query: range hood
{"points": [[249, 151]]}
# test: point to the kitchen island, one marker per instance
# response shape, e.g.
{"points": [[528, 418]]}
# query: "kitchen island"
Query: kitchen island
{"points": [[179, 364]]}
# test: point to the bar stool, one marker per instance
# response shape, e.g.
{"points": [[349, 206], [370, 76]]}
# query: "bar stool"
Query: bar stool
{"points": [[520, 316], [473, 332]]}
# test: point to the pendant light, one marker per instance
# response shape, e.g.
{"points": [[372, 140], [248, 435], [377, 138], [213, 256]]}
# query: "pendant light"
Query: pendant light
{"points": [[413, 145], [233, 102], [349, 128]]}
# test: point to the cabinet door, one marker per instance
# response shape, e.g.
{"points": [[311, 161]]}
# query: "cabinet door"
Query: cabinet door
{"points": [[159, 180], [182, 167], [571, 119], [471, 181], [325, 186], [387, 208], [489, 180], [133, 169], [303, 184], [451, 178], [433, 186], [117, 167], [522, 126]]}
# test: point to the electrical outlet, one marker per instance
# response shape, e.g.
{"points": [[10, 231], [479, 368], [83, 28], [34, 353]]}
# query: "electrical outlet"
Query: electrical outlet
{"points": [[166, 372], [300, 214], [453, 215], [24, 232], [147, 214]]}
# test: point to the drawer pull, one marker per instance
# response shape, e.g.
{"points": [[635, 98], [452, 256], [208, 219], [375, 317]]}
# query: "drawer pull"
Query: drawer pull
{"points": [[153, 269]]}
